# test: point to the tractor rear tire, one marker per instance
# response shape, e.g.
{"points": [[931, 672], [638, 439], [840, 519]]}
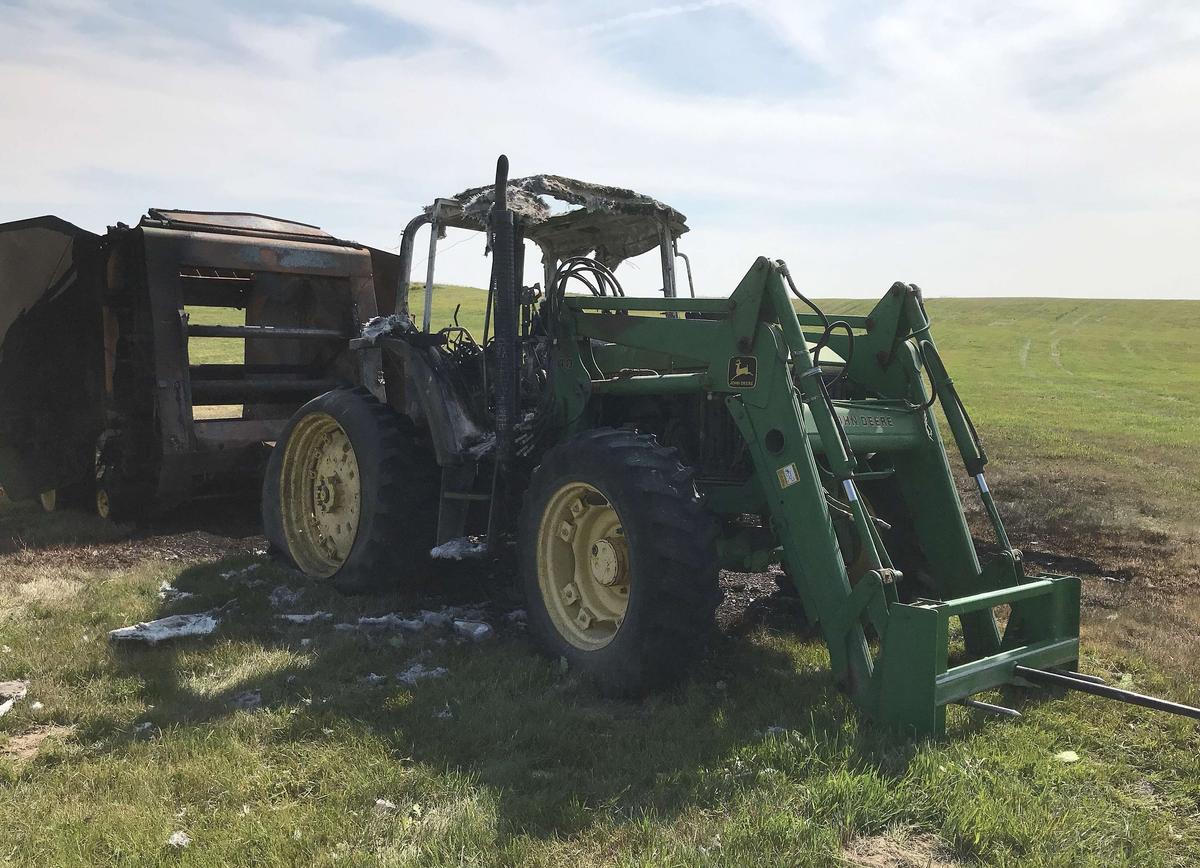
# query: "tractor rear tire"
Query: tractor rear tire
{"points": [[618, 561], [351, 494]]}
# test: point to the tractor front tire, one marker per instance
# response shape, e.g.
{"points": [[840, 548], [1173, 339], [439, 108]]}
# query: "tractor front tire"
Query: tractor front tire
{"points": [[618, 561], [351, 494]]}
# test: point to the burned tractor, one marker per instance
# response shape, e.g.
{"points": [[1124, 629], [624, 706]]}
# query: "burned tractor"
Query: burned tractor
{"points": [[630, 448], [113, 397]]}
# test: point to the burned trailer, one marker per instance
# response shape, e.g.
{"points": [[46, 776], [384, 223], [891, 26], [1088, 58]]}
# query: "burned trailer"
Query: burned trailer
{"points": [[157, 363]]}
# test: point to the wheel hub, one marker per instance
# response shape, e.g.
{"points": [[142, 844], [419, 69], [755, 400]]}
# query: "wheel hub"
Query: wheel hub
{"points": [[583, 565], [326, 493], [320, 494], [607, 562]]}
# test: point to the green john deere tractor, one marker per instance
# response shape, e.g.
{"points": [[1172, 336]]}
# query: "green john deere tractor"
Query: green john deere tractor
{"points": [[633, 447]]}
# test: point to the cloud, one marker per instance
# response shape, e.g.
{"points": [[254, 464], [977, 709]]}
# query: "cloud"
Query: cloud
{"points": [[1025, 148], [649, 13]]}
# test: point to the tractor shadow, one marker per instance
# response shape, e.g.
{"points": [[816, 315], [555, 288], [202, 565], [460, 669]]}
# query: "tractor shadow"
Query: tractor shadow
{"points": [[555, 752], [552, 751], [207, 527]]}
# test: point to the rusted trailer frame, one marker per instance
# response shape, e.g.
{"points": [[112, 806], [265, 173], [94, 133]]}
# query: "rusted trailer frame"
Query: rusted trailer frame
{"points": [[124, 428]]}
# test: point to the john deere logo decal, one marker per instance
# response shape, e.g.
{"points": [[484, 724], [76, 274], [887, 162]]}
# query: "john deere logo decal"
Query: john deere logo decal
{"points": [[743, 372]]}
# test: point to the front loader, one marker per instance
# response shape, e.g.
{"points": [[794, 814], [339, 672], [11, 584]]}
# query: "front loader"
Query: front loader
{"points": [[630, 448]]}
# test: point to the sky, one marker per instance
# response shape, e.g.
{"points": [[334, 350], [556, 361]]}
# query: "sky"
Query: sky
{"points": [[974, 148]]}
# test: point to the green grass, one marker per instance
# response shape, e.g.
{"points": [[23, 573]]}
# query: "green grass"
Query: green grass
{"points": [[1108, 384], [213, 351], [1091, 436], [532, 767]]}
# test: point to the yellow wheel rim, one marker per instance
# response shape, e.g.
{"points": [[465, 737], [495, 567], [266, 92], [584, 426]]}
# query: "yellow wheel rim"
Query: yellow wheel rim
{"points": [[583, 566], [103, 505], [320, 495]]}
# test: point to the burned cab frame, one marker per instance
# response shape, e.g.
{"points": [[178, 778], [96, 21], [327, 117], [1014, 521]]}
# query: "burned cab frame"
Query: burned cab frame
{"points": [[439, 379], [610, 223], [110, 393]]}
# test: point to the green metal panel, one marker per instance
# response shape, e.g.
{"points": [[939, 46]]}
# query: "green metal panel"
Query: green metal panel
{"points": [[653, 384], [698, 305], [911, 657], [751, 349], [878, 426]]}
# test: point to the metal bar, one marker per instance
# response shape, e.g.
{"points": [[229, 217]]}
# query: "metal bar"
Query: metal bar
{"points": [[214, 433], [959, 682], [665, 252], [1108, 692], [172, 400], [687, 264], [999, 597], [985, 494], [989, 707], [429, 265], [861, 323], [231, 372], [666, 255], [698, 305], [973, 456], [282, 333], [407, 240], [235, 391], [1095, 679], [672, 384]]}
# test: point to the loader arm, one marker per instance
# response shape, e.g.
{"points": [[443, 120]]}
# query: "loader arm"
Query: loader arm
{"points": [[751, 352]]}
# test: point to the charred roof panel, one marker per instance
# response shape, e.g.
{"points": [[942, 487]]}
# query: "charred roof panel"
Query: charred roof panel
{"points": [[615, 222]]}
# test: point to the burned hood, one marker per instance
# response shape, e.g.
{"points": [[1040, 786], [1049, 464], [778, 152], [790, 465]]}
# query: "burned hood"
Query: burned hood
{"points": [[615, 222]]}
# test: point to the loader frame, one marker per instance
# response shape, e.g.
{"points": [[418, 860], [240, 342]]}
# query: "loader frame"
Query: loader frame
{"points": [[798, 456], [810, 453]]}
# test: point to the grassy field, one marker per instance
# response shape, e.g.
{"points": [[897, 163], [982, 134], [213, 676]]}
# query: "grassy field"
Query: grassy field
{"points": [[1087, 409]]}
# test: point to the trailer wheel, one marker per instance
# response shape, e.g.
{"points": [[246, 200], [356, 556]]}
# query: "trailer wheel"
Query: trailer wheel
{"points": [[113, 494], [618, 560], [73, 496], [350, 494]]}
